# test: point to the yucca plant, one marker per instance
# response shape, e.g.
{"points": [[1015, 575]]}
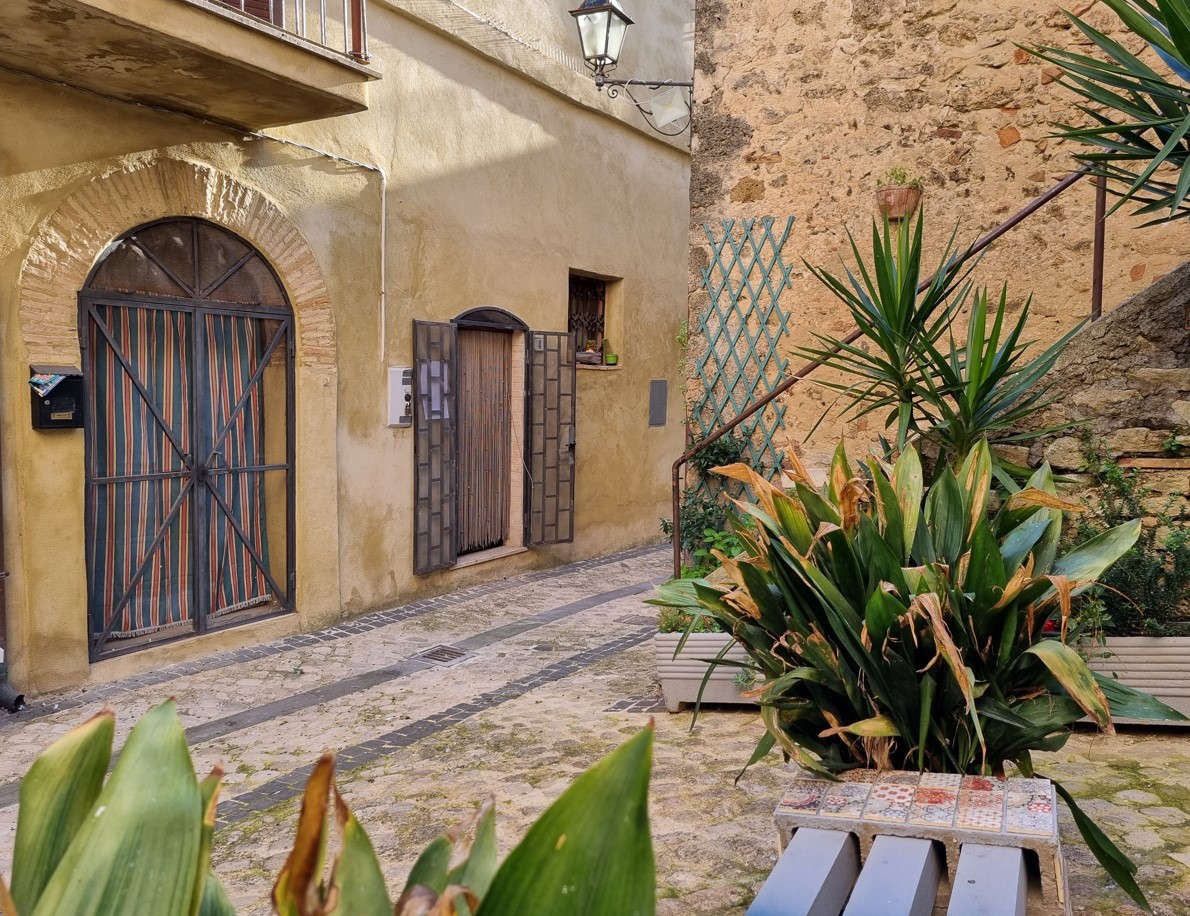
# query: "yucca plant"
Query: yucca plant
{"points": [[910, 370], [140, 845], [1140, 118], [895, 627]]}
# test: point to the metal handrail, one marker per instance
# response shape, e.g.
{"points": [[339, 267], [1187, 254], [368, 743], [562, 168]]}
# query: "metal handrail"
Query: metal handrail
{"points": [[347, 35], [979, 245]]}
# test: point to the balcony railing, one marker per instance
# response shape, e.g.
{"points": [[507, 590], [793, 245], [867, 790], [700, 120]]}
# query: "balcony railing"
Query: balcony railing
{"points": [[337, 25]]}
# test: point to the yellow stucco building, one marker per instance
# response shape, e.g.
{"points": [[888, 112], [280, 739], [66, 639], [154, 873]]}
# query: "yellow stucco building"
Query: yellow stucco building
{"points": [[303, 288]]}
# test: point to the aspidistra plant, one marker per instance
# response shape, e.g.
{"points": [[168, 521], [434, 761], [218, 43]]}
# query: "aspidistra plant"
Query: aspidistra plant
{"points": [[894, 626]]}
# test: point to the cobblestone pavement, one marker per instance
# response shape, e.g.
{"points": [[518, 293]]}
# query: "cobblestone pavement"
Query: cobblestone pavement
{"points": [[556, 670]]}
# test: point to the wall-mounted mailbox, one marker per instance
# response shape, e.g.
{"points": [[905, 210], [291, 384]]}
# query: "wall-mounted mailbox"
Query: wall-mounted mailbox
{"points": [[57, 397]]}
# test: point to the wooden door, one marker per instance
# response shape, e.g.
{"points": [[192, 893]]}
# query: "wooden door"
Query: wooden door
{"points": [[484, 437]]}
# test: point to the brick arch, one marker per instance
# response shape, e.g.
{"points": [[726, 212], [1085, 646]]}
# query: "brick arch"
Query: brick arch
{"points": [[70, 241]]}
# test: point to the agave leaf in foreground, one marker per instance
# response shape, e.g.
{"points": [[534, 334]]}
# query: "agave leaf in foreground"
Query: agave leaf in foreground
{"points": [[297, 889], [598, 828], [357, 883], [136, 854], [57, 794]]}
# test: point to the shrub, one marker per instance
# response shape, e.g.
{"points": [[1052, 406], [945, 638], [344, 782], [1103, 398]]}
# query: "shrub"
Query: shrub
{"points": [[1146, 592], [899, 627]]}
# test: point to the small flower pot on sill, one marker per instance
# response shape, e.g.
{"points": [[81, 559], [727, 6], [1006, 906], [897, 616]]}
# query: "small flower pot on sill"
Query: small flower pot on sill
{"points": [[610, 359], [895, 202]]}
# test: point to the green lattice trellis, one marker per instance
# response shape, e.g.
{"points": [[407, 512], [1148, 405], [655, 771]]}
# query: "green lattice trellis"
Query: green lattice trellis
{"points": [[740, 362]]}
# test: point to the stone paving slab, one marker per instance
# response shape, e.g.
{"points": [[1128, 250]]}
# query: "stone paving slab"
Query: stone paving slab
{"points": [[562, 673]]}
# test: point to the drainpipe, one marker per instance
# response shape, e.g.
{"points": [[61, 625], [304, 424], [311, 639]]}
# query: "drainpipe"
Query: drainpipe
{"points": [[9, 698]]}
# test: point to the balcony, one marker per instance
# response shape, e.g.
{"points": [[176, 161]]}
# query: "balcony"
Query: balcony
{"points": [[246, 63]]}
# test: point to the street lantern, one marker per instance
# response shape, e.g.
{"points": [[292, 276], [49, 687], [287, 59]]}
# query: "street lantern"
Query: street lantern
{"points": [[602, 25]]}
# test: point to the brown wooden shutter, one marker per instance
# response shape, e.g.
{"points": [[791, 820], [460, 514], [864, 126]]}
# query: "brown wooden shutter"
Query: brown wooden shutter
{"points": [[435, 446], [550, 438]]}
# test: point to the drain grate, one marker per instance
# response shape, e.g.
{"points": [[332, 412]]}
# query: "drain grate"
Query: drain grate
{"points": [[638, 704], [636, 620], [443, 656]]}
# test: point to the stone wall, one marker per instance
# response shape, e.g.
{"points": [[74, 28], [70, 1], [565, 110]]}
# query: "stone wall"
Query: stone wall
{"points": [[801, 107], [1125, 380]]}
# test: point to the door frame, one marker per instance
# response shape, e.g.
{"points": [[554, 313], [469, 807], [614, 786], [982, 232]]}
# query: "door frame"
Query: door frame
{"points": [[203, 622]]}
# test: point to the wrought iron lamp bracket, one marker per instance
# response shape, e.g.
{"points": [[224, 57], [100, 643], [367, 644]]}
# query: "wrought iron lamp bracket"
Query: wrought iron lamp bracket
{"points": [[615, 86]]}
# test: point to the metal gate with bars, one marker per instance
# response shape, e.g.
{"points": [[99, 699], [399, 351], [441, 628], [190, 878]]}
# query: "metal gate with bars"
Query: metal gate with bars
{"points": [[549, 396], [187, 343]]}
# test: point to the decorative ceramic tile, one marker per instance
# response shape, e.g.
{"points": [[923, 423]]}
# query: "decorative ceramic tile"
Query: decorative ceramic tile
{"points": [[981, 804], [889, 802], [804, 796], [862, 775], [941, 780], [899, 778], [934, 805], [1030, 807], [846, 799]]}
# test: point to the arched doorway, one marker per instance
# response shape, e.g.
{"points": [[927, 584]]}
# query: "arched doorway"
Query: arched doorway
{"points": [[187, 339], [494, 407]]}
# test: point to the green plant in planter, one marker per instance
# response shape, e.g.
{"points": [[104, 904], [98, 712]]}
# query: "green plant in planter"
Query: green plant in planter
{"points": [[899, 627], [898, 177], [910, 370], [140, 845]]}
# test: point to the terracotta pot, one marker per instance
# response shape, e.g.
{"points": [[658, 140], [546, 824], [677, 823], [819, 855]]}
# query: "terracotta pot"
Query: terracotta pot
{"points": [[895, 202]]}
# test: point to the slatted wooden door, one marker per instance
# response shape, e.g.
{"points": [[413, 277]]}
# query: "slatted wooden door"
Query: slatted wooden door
{"points": [[485, 433]]}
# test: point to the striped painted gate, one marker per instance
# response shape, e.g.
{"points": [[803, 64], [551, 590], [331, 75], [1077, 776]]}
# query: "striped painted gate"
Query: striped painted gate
{"points": [[188, 358]]}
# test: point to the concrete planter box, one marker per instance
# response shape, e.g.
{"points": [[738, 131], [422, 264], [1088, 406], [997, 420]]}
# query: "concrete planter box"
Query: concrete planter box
{"points": [[682, 676], [1159, 665]]}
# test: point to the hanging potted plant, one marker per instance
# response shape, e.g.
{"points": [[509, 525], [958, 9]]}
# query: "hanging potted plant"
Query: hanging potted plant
{"points": [[898, 194]]}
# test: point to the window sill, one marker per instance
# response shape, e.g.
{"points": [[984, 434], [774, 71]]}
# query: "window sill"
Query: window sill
{"points": [[587, 367]]}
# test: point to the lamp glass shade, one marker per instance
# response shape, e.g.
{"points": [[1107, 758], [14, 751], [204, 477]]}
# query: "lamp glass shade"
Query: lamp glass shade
{"points": [[601, 31]]}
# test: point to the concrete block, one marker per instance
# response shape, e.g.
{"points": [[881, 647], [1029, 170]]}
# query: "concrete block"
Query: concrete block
{"points": [[900, 878], [814, 876], [990, 881]]}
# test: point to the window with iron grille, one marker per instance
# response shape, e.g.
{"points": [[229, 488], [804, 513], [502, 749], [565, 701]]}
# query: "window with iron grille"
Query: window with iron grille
{"points": [[588, 300]]}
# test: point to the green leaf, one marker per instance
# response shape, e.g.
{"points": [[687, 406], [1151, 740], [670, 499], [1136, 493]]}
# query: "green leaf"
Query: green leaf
{"points": [[432, 866], [590, 853], [907, 481], [763, 746], [1114, 862], [136, 853], [357, 874], [945, 516], [1130, 703], [478, 869], [57, 795], [1068, 667], [1089, 560], [215, 901]]}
